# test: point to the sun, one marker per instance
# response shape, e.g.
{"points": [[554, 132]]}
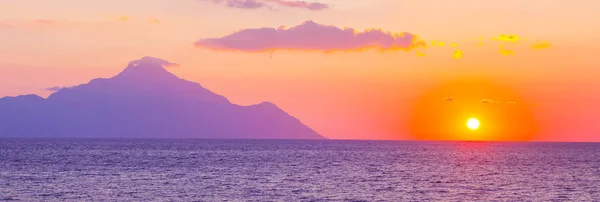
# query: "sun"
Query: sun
{"points": [[473, 124], [452, 110]]}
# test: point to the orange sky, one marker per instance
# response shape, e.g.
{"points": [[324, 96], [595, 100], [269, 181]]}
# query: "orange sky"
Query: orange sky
{"points": [[354, 95]]}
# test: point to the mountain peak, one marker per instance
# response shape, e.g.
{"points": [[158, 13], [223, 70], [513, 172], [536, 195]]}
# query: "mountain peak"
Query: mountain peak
{"points": [[145, 101], [148, 68], [153, 60], [24, 97]]}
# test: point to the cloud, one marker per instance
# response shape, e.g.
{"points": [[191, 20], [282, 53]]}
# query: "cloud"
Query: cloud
{"points": [[254, 4], [457, 54], [540, 45], [245, 4], [55, 88], [511, 102], [311, 36], [301, 4], [437, 43], [508, 38], [448, 99], [154, 60], [506, 52]]}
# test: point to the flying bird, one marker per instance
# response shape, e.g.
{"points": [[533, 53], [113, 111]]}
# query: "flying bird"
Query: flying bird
{"points": [[486, 101]]}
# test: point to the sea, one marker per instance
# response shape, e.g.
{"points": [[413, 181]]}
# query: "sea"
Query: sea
{"points": [[295, 170]]}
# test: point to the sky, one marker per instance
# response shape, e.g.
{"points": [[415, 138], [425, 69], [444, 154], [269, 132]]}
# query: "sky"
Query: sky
{"points": [[349, 69]]}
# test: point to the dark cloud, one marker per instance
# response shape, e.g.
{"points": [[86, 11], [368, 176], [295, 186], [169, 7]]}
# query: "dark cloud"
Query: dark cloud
{"points": [[311, 36], [448, 99]]}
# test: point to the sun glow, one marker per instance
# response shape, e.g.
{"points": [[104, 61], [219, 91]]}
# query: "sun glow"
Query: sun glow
{"points": [[471, 109], [473, 124]]}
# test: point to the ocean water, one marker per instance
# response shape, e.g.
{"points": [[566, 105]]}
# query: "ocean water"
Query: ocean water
{"points": [[290, 170]]}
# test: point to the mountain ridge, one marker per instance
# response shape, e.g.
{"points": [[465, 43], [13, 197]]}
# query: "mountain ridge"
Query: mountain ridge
{"points": [[145, 100]]}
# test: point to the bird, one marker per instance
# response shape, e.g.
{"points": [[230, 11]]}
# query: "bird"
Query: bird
{"points": [[486, 101]]}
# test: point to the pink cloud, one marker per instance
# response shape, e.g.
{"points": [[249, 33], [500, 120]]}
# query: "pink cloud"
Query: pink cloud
{"points": [[311, 36], [246, 4], [301, 4], [254, 4], [154, 60], [55, 88]]}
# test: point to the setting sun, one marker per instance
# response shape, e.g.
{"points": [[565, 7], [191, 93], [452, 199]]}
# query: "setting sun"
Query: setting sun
{"points": [[449, 109], [473, 124]]}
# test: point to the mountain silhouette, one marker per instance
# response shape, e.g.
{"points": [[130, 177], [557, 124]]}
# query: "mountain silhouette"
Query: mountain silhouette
{"points": [[144, 101]]}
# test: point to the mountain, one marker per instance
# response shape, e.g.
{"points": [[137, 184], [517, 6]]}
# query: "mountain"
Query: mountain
{"points": [[144, 101]]}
